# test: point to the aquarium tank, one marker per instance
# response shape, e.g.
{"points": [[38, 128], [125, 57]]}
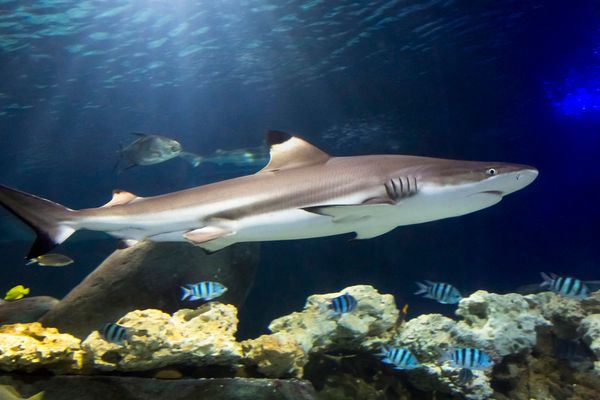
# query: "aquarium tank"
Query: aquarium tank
{"points": [[299, 199]]}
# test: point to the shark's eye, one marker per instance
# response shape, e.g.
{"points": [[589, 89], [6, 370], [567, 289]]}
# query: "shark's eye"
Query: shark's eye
{"points": [[491, 172]]}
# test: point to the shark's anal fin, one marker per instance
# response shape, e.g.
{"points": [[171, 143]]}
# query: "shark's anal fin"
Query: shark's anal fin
{"points": [[121, 197], [289, 151]]}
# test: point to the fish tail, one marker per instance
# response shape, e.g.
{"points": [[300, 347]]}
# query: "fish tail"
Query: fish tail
{"points": [[186, 293], [422, 288], [547, 280], [38, 396], [49, 220]]}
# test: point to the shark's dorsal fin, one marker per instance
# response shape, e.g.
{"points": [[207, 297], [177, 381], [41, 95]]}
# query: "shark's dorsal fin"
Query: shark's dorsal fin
{"points": [[289, 151], [121, 197]]}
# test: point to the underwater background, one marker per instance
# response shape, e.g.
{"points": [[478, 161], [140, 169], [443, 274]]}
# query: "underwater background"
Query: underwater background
{"points": [[515, 81]]}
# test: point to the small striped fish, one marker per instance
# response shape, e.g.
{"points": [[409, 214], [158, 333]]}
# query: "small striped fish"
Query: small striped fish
{"points": [[114, 333], [469, 358], [565, 286], [206, 290], [400, 357], [343, 304], [442, 292]]}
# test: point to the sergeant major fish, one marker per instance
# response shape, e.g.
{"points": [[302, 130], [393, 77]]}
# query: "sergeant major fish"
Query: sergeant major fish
{"points": [[442, 292], [147, 150], [401, 358], [343, 304], [303, 192], [206, 290], [565, 286]]}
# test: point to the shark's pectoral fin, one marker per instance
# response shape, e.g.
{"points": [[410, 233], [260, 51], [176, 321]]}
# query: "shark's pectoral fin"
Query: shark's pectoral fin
{"points": [[373, 230], [352, 213]]}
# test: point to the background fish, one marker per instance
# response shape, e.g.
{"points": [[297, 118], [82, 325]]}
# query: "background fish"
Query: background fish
{"points": [[441, 292], [468, 357], [16, 293], [8, 392], [401, 358], [147, 150], [343, 304], [206, 290], [565, 286], [114, 333], [51, 260]]}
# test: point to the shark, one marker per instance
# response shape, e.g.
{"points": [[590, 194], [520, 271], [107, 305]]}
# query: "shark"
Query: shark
{"points": [[303, 192]]}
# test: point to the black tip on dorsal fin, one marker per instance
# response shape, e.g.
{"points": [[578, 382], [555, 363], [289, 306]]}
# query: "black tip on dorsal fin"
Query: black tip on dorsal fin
{"points": [[277, 137], [139, 134]]}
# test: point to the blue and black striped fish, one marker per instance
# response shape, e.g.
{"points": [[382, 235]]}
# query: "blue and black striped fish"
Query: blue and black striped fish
{"points": [[400, 357], [469, 358], [565, 286], [442, 292], [206, 290], [343, 304], [114, 333]]}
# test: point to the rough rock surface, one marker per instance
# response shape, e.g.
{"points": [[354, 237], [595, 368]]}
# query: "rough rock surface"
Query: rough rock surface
{"points": [[148, 276], [29, 347], [203, 336], [132, 388], [27, 309], [316, 329]]}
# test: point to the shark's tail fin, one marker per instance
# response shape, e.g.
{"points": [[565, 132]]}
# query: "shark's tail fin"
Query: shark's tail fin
{"points": [[49, 220]]}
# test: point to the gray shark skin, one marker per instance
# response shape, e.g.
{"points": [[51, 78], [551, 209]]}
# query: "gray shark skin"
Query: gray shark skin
{"points": [[302, 193], [147, 150]]}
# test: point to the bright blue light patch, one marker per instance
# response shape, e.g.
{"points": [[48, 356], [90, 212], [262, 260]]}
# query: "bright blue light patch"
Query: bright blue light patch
{"points": [[579, 101]]}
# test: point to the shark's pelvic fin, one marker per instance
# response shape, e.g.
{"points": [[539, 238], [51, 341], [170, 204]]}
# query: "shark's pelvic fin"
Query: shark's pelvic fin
{"points": [[121, 197], [351, 213], [205, 234], [289, 151]]}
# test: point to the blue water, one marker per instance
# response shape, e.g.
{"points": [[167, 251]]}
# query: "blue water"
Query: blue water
{"points": [[515, 81]]}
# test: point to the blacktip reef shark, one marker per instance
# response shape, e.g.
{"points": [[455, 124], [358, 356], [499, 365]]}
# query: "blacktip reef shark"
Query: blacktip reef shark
{"points": [[302, 192]]}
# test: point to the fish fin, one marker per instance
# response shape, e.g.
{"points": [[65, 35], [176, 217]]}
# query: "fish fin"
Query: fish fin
{"points": [[193, 159], [289, 152], [205, 234], [37, 396], [46, 218], [120, 197], [350, 212], [185, 293], [547, 279], [422, 288], [373, 231], [141, 134], [379, 200]]}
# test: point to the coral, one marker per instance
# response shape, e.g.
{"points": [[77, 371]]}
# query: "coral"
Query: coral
{"points": [[203, 336], [29, 347]]}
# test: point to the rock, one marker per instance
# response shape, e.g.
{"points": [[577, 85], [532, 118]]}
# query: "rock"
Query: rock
{"points": [[30, 347], [565, 314], [503, 324], [275, 355], [590, 331], [27, 309], [203, 336], [133, 388], [148, 276]]}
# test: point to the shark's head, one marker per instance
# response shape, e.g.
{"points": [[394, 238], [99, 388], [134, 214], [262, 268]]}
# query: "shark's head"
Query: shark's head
{"points": [[451, 188]]}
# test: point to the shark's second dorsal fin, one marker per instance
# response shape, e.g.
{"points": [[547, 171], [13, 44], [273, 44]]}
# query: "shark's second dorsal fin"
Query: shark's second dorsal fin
{"points": [[121, 197], [289, 151]]}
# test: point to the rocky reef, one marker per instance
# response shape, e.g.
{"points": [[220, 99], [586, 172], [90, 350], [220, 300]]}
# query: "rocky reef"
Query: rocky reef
{"points": [[337, 353]]}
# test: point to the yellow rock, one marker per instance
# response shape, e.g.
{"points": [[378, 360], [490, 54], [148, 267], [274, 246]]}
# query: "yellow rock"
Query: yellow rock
{"points": [[276, 355], [28, 347]]}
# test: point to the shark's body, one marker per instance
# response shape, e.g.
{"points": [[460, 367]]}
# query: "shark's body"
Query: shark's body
{"points": [[301, 193]]}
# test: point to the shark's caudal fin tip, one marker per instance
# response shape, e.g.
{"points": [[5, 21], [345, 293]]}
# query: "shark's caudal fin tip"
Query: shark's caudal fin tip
{"points": [[47, 219]]}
